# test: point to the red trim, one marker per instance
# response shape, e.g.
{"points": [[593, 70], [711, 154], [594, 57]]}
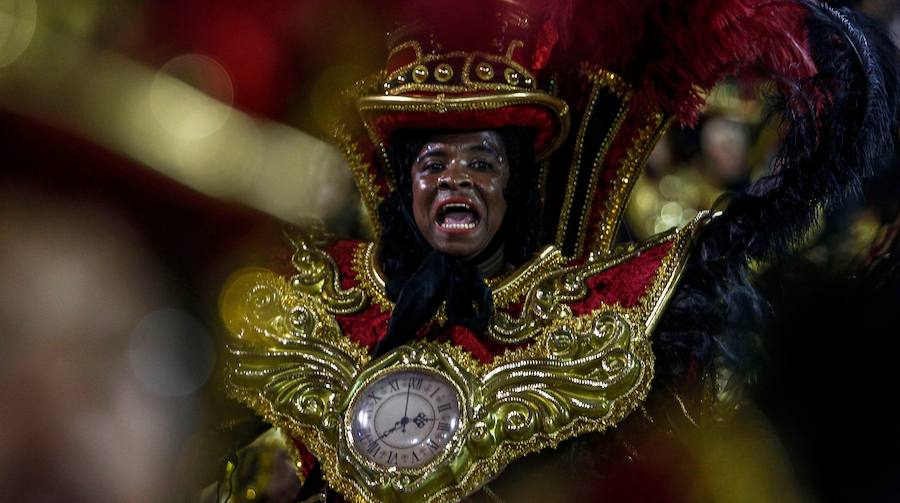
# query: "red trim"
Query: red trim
{"points": [[542, 119]]}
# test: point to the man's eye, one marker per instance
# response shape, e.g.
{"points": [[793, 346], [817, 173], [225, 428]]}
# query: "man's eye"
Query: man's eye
{"points": [[432, 167], [481, 165]]}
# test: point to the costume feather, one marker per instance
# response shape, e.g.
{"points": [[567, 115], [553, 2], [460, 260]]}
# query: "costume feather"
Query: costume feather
{"points": [[836, 124]]}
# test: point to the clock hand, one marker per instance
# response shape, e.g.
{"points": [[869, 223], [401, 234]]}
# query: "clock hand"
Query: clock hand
{"points": [[390, 430], [406, 407]]}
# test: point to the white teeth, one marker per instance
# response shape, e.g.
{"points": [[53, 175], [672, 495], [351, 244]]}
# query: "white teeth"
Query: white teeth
{"points": [[456, 226], [459, 226], [457, 205]]}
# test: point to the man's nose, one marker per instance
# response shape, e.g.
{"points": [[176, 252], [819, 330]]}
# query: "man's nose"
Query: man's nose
{"points": [[454, 177]]}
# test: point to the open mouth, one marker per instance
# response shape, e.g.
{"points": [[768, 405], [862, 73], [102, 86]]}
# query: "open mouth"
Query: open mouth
{"points": [[458, 216]]}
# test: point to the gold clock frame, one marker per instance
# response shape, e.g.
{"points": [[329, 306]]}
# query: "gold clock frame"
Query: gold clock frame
{"points": [[408, 359]]}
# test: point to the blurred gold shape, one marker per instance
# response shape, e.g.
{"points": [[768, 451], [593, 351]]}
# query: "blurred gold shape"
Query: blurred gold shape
{"points": [[167, 96], [18, 20], [177, 120]]}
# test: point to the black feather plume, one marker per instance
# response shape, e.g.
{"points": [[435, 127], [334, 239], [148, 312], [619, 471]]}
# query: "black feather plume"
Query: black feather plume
{"points": [[836, 125]]}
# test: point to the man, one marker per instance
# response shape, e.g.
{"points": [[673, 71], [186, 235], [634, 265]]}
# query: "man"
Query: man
{"points": [[464, 211], [494, 317]]}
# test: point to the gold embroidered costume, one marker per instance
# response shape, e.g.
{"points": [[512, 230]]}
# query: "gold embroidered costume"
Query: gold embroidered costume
{"points": [[510, 360]]}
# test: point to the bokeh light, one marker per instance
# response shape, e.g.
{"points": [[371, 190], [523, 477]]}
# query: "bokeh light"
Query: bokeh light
{"points": [[171, 353], [168, 95], [77, 424], [18, 20], [325, 102]]}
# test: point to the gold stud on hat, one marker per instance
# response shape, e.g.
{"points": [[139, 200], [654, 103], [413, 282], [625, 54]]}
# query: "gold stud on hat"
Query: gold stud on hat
{"points": [[512, 76], [484, 71], [443, 72], [420, 74]]}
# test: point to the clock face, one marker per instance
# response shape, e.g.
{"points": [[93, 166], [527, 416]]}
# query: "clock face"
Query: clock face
{"points": [[405, 419]]}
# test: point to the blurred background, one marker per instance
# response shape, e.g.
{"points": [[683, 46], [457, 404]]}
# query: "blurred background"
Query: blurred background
{"points": [[148, 149]]}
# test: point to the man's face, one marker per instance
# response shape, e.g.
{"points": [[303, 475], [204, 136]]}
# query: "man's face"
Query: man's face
{"points": [[457, 191]]}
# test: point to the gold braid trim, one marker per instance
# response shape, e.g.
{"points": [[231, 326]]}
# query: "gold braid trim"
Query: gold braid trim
{"points": [[600, 79], [362, 173], [626, 175]]}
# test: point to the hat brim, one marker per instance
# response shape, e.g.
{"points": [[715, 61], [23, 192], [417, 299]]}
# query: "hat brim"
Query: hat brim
{"points": [[549, 116]]}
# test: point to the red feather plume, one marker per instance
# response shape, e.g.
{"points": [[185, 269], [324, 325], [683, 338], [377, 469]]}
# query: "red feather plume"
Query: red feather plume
{"points": [[674, 51]]}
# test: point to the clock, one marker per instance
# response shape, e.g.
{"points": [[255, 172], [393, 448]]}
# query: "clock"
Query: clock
{"points": [[404, 418]]}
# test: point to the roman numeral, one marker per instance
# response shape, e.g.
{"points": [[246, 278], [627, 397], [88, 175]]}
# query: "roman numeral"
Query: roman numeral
{"points": [[444, 407], [415, 384], [373, 449], [415, 457], [392, 457], [431, 443], [373, 396], [443, 427], [395, 385], [436, 389]]}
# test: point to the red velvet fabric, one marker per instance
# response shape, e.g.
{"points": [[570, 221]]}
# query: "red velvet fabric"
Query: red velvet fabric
{"points": [[623, 284], [400, 58], [483, 349], [309, 461], [615, 157], [367, 327], [342, 252]]}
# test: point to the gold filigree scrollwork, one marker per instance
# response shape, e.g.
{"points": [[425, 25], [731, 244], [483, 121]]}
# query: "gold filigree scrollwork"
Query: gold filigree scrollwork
{"points": [[589, 364], [318, 275], [545, 302], [290, 363], [288, 358], [548, 298], [585, 373]]}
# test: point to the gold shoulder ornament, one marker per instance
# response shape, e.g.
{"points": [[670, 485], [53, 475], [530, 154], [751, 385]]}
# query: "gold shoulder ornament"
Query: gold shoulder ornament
{"points": [[427, 422]]}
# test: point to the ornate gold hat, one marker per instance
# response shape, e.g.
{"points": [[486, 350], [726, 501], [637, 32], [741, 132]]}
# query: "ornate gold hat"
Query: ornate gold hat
{"points": [[464, 90], [459, 69]]}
